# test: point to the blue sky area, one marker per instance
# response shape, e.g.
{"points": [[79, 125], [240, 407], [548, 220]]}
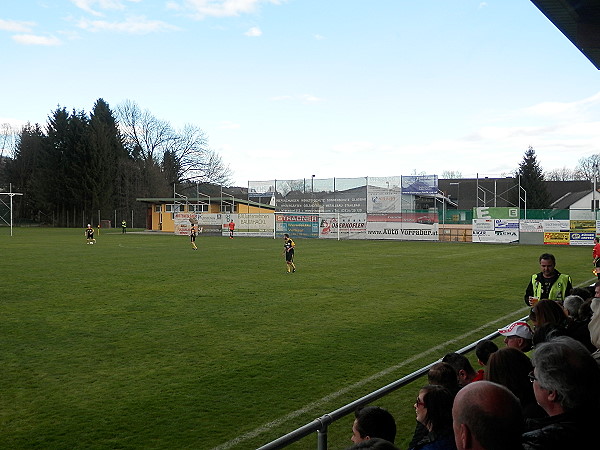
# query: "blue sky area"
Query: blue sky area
{"points": [[285, 89]]}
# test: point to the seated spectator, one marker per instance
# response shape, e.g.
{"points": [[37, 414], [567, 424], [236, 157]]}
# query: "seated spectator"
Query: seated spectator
{"points": [[374, 444], [373, 422], [566, 383], [546, 332], [487, 416], [585, 310], [584, 292], [483, 350], [464, 370], [433, 409], [571, 306], [518, 335], [594, 328], [441, 374], [510, 367], [549, 312]]}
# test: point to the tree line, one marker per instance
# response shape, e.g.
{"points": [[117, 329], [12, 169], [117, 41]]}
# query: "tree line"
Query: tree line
{"points": [[103, 161]]}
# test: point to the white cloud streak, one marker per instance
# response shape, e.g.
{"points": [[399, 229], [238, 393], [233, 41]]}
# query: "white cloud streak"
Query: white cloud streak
{"points": [[32, 39], [200, 9], [16, 26], [132, 25]]}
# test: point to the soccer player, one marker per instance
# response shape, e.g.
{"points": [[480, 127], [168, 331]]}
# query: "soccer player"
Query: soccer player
{"points": [[193, 234], [288, 250], [231, 228], [123, 226], [89, 234]]}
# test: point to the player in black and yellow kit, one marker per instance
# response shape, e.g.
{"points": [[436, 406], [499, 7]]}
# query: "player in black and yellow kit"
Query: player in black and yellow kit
{"points": [[89, 234], [193, 234], [288, 250]]}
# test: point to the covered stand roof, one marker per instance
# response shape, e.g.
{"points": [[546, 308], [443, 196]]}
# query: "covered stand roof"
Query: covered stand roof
{"points": [[579, 21]]}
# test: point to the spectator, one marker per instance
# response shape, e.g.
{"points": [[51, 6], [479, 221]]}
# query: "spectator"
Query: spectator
{"points": [[549, 283], [487, 416], [518, 335], [483, 350], [566, 383], [584, 292], [433, 409], [374, 444], [464, 370], [571, 306], [373, 422], [546, 332], [549, 312], [510, 368], [594, 328], [585, 310], [441, 374]]}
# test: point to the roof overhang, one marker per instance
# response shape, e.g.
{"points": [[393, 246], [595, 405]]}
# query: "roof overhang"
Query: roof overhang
{"points": [[579, 21]]}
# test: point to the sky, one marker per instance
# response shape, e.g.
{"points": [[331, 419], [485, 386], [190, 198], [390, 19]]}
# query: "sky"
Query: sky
{"points": [[288, 89]]}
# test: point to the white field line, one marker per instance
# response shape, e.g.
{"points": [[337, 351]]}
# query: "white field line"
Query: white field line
{"points": [[319, 403]]}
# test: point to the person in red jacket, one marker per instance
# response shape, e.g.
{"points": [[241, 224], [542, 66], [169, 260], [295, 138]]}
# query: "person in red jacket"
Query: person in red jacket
{"points": [[231, 228], [596, 256]]}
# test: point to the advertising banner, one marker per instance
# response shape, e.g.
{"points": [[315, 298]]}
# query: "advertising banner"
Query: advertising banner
{"points": [[383, 200], [557, 238], [353, 226], [483, 225], [495, 230], [419, 184], [297, 225], [582, 238], [531, 226], [583, 226], [405, 231], [249, 225], [486, 212], [557, 226]]}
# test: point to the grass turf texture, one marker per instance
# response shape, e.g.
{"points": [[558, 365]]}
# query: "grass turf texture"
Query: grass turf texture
{"points": [[140, 342]]}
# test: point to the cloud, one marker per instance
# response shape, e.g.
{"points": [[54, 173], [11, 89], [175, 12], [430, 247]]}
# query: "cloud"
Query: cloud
{"points": [[132, 25], [253, 32], [32, 39], [200, 9], [319, 37], [16, 26], [88, 5], [559, 109]]}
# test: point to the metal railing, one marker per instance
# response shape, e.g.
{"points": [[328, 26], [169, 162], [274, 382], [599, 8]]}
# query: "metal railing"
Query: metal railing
{"points": [[321, 424]]}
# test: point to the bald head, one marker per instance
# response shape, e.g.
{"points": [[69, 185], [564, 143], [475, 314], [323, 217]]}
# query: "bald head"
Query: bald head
{"points": [[486, 416]]}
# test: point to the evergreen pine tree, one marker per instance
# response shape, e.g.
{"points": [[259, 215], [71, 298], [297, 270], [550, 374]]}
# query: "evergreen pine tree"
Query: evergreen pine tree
{"points": [[532, 181]]}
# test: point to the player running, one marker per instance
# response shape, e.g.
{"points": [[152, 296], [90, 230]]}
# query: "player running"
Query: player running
{"points": [[288, 251], [193, 234]]}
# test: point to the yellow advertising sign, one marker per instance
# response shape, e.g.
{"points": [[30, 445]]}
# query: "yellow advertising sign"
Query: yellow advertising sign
{"points": [[582, 226], [557, 238]]}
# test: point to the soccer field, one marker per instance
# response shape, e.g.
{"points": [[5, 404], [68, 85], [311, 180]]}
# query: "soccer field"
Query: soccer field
{"points": [[140, 342]]}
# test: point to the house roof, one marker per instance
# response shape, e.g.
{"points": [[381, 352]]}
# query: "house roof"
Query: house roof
{"points": [[213, 200], [579, 21], [568, 199]]}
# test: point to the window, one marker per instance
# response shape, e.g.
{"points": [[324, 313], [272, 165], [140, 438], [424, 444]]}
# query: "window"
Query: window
{"points": [[198, 208], [157, 208]]}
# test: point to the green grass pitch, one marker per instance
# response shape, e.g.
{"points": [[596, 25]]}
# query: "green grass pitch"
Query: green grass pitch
{"points": [[140, 342]]}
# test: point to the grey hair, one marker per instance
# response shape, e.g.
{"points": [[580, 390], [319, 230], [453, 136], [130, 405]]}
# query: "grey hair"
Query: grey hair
{"points": [[572, 304], [565, 366]]}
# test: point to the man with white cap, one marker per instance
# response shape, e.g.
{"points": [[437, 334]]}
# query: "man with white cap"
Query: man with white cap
{"points": [[518, 335]]}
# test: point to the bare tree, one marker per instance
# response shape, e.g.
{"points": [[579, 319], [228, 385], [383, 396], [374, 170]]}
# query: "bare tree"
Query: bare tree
{"points": [[182, 155], [587, 167], [563, 174], [451, 174], [146, 136], [7, 139]]}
